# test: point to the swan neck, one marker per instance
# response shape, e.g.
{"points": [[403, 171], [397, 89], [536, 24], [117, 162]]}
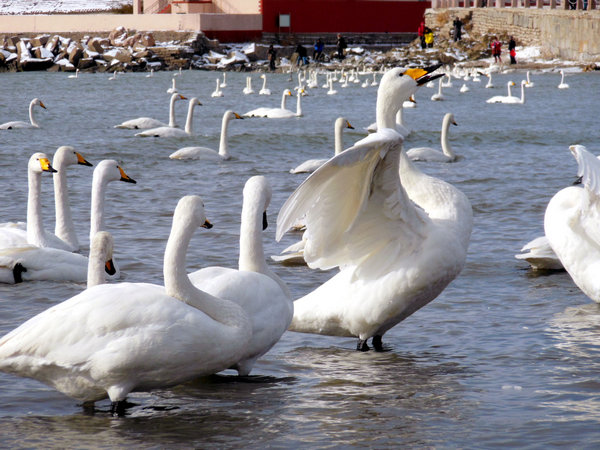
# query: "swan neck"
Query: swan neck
{"points": [[190, 119], [299, 104], [223, 148], [172, 123], [64, 227], [385, 112], [264, 86], [95, 272], [283, 98], [97, 207], [35, 228], [252, 255], [32, 116], [446, 148], [339, 137]]}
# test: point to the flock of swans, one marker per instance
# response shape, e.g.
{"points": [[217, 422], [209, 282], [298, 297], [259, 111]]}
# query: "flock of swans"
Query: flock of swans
{"points": [[397, 236]]}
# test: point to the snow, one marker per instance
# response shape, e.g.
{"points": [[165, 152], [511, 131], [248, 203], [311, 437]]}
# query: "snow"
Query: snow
{"points": [[57, 6]]}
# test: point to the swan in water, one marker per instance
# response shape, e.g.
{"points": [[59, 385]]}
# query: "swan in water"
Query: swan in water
{"points": [[151, 74], [263, 111], [248, 89], [208, 153], [562, 84], [539, 254], [502, 98], [516, 100], [76, 74], [173, 88], [32, 122], [170, 132], [142, 123], [489, 83], [438, 96], [434, 155], [114, 76], [331, 90], [217, 92], [224, 82], [446, 84], [464, 88], [394, 257], [571, 224], [280, 113], [113, 339], [264, 90], [529, 83], [313, 164], [374, 82], [263, 295]]}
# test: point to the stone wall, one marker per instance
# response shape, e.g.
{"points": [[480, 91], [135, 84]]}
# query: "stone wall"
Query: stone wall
{"points": [[569, 35]]}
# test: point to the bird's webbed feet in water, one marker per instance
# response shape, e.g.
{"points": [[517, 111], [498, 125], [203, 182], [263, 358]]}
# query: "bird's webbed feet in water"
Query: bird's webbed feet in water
{"points": [[118, 408], [377, 343], [362, 346]]}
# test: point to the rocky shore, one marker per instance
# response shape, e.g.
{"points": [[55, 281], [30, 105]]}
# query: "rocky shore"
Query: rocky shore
{"points": [[128, 50]]}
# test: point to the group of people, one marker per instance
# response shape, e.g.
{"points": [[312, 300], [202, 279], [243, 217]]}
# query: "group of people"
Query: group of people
{"points": [[318, 47], [425, 35], [496, 47]]}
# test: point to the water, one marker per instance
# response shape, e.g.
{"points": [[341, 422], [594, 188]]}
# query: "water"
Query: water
{"points": [[503, 357]]}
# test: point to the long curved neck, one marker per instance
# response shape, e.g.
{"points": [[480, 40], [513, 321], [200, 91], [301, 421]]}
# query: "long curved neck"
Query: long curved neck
{"points": [[223, 148], [190, 119], [97, 211], [444, 139], [64, 227], [264, 86], [299, 104], [385, 112], [178, 285], [509, 90], [338, 136], [172, 123], [283, 98], [400, 116], [440, 87], [95, 272], [31, 116], [522, 93], [35, 229]]}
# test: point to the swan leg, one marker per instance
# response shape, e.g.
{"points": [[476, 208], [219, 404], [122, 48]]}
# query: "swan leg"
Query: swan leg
{"points": [[362, 346], [118, 408], [17, 271], [377, 343]]}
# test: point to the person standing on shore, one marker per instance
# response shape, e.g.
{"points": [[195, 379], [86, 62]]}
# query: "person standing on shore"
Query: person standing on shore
{"points": [[496, 46], [512, 50], [341, 45], [271, 54], [421, 33], [457, 29], [318, 49]]}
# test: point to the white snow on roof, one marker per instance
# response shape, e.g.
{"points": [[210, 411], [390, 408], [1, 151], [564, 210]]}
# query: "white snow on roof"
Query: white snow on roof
{"points": [[57, 6]]}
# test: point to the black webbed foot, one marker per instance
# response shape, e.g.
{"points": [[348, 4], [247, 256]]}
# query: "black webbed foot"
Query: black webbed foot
{"points": [[362, 346]]}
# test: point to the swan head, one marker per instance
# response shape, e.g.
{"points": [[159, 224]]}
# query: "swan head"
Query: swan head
{"points": [[287, 92], [194, 102], [177, 96], [68, 156], [190, 211], [511, 83], [110, 170], [39, 162], [38, 102], [102, 248], [230, 115], [449, 117], [257, 190], [523, 82]]}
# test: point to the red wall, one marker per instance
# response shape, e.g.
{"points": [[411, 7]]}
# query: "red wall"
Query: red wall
{"points": [[344, 16]]}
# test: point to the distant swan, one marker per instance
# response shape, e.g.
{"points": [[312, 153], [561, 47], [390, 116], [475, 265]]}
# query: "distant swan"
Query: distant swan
{"points": [[217, 92], [248, 89], [438, 96], [464, 88], [489, 84], [32, 122], [562, 84], [113, 339], [173, 88], [502, 98], [170, 132], [279, 113], [224, 83], [529, 83], [264, 90], [142, 123], [76, 74], [434, 155], [208, 153]]}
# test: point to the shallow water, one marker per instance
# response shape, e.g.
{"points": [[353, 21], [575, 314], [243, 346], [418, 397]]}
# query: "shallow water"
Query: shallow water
{"points": [[503, 357]]}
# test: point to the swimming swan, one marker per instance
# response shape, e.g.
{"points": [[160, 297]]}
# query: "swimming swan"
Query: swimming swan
{"points": [[208, 153], [313, 164], [394, 257], [434, 155], [142, 123], [516, 100], [32, 122], [248, 89], [262, 112], [502, 98], [263, 295], [76, 74], [562, 84], [438, 96], [173, 88], [264, 90], [529, 83], [279, 113], [217, 92], [170, 132], [113, 339], [571, 224]]}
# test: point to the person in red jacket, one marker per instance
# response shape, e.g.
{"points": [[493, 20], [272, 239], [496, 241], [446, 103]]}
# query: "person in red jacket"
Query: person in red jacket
{"points": [[421, 33], [496, 46]]}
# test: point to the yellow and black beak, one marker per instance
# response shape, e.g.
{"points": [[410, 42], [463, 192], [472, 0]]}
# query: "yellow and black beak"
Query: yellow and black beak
{"points": [[182, 97], [42, 105], [207, 225], [124, 176], [237, 116], [265, 221], [45, 165], [422, 76], [109, 267], [349, 126], [81, 160]]}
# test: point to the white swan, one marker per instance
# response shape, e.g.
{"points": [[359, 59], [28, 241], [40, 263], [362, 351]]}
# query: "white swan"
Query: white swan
{"points": [[434, 155], [224, 82], [173, 88], [502, 98], [401, 127], [264, 90], [114, 76], [248, 89], [512, 100], [208, 153], [464, 88], [539, 254], [76, 74], [113, 339], [529, 83], [263, 111], [374, 82], [571, 224], [331, 90], [313, 164], [151, 74], [32, 122], [446, 84], [489, 83], [170, 132], [263, 295], [100, 260], [394, 257], [142, 123], [280, 113], [438, 96], [217, 92], [562, 84]]}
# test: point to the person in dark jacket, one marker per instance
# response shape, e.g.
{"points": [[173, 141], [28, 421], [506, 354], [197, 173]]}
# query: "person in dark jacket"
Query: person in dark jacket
{"points": [[512, 50], [318, 49], [341, 45], [271, 54]]}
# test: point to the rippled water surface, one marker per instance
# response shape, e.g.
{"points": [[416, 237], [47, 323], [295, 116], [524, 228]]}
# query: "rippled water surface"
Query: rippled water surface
{"points": [[503, 357]]}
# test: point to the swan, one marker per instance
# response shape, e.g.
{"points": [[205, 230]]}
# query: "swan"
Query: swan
{"points": [[114, 76], [571, 224], [374, 82], [539, 254], [142, 123], [433, 155], [331, 90], [76, 74], [529, 83], [113, 339], [400, 128], [151, 74], [264, 90], [32, 122], [100, 260], [502, 98], [464, 88], [248, 89], [562, 84], [438, 96], [224, 83], [516, 100], [208, 153], [410, 103], [173, 88], [262, 112], [394, 257], [217, 92], [489, 83], [263, 295], [170, 132], [313, 164], [179, 72], [446, 84]]}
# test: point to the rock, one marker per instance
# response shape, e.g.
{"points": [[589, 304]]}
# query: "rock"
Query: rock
{"points": [[117, 36], [75, 54], [23, 51], [147, 40], [86, 63], [32, 64], [120, 54], [40, 41], [52, 44], [95, 45]]}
